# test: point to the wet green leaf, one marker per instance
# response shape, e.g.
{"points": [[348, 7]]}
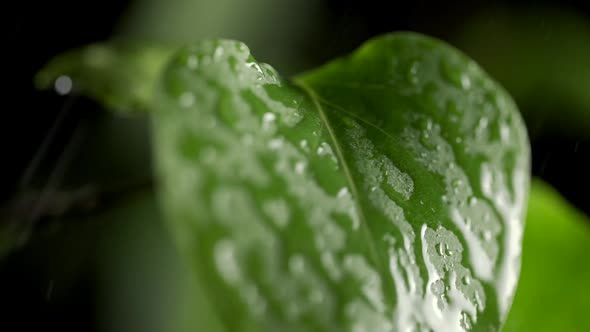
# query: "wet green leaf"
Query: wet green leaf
{"points": [[542, 56], [120, 75], [553, 293], [382, 192]]}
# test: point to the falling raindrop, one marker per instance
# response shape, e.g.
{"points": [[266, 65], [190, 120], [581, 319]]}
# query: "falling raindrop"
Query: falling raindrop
{"points": [[63, 85]]}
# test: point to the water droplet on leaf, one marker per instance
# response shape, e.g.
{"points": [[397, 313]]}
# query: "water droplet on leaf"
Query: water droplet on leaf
{"points": [[187, 99]]}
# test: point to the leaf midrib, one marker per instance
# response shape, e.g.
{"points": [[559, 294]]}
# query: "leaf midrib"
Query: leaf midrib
{"points": [[378, 259]]}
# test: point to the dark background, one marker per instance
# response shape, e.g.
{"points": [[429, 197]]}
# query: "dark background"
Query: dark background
{"points": [[36, 31]]}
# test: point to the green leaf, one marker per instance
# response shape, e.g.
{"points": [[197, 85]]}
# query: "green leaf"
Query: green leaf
{"points": [[140, 279], [553, 293], [120, 75], [178, 22], [382, 192], [542, 56]]}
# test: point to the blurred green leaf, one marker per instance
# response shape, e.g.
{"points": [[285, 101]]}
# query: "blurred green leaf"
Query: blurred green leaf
{"points": [[383, 191], [119, 74], [553, 292], [143, 284], [279, 31], [542, 57]]}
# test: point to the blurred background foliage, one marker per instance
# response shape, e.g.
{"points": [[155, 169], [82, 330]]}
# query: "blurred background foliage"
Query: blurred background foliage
{"points": [[82, 244], [553, 292]]}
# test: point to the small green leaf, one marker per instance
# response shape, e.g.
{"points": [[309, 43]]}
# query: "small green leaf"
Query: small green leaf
{"points": [[382, 192], [120, 75], [553, 293]]}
